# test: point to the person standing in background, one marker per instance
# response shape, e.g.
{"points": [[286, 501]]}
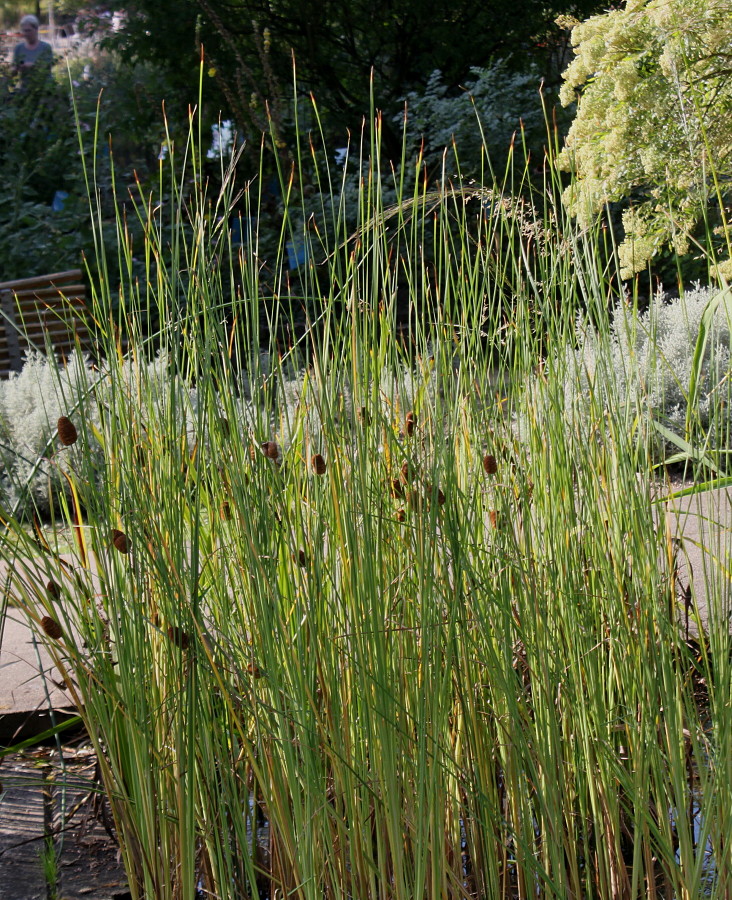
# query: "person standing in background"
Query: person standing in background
{"points": [[32, 51]]}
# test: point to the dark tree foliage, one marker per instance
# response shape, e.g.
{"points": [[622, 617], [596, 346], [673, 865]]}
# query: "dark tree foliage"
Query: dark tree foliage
{"points": [[337, 45], [39, 176]]}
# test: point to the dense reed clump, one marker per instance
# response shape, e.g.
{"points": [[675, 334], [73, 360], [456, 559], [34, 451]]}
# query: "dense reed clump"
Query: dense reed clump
{"points": [[442, 658]]}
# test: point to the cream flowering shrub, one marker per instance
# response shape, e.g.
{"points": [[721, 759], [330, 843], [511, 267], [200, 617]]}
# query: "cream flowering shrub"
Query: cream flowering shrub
{"points": [[654, 121]]}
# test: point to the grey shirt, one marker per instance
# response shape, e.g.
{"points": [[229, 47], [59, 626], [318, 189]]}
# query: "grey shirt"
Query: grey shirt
{"points": [[41, 53]]}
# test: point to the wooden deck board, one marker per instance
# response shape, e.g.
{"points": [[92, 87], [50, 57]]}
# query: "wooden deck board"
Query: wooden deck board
{"points": [[22, 831], [41, 798]]}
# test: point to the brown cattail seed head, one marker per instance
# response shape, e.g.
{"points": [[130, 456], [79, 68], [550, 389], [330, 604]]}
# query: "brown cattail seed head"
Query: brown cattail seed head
{"points": [[494, 518], [408, 472], [490, 464], [66, 431], [51, 627], [440, 495], [318, 464], [253, 670], [409, 423], [271, 450], [54, 590], [419, 498], [301, 558], [396, 490], [178, 637], [120, 540]]}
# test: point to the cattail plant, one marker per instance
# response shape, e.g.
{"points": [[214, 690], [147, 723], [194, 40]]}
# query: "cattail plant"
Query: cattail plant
{"points": [[271, 450], [411, 680], [121, 541]]}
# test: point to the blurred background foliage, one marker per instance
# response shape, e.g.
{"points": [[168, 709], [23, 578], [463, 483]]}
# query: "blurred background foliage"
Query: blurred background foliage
{"points": [[136, 67], [126, 61]]}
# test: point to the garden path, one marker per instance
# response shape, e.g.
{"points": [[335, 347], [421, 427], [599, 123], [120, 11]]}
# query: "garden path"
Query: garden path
{"points": [[52, 807], [701, 525]]}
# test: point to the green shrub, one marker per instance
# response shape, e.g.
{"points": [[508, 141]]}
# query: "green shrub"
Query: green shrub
{"points": [[39, 156]]}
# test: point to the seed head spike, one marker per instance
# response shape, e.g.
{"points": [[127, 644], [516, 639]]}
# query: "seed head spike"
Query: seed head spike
{"points": [[179, 637], [51, 627], [66, 431], [408, 472], [120, 541], [396, 490], [440, 494]]}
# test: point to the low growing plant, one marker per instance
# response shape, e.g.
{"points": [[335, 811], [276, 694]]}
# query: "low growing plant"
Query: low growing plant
{"points": [[669, 366]]}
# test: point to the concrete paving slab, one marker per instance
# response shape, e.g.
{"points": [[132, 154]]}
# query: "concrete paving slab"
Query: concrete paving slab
{"points": [[26, 671], [701, 525], [29, 681]]}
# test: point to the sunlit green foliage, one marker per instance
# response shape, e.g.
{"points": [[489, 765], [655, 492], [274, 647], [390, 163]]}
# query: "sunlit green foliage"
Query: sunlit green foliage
{"points": [[654, 123]]}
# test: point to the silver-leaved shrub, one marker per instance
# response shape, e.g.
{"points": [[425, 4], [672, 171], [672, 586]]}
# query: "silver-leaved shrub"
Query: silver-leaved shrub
{"points": [[33, 460], [31, 402], [645, 365]]}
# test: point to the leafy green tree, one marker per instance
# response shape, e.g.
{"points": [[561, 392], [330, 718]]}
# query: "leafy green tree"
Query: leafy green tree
{"points": [[654, 123], [496, 102], [39, 177], [249, 46], [44, 212]]}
